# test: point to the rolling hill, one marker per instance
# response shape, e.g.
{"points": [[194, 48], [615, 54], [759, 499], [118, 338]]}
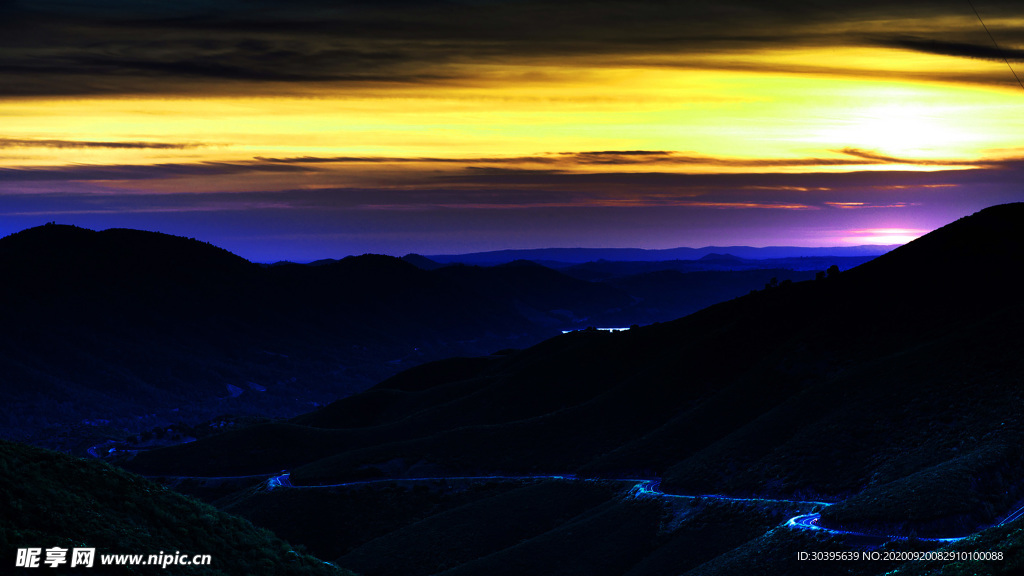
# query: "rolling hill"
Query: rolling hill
{"points": [[124, 331], [129, 329], [50, 500]]}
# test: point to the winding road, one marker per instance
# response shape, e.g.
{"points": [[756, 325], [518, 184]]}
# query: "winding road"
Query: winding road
{"points": [[810, 522], [642, 488], [650, 489]]}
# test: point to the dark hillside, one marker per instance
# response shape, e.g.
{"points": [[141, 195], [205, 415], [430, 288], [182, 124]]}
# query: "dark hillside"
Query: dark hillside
{"points": [[131, 329], [604, 270], [673, 294], [48, 499]]}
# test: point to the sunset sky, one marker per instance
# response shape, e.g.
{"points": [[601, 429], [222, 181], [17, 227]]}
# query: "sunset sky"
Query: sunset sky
{"points": [[313, 128]]}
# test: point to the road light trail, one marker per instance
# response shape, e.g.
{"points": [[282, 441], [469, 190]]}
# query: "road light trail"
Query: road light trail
{"points": [[811, 522], [641, 489]]}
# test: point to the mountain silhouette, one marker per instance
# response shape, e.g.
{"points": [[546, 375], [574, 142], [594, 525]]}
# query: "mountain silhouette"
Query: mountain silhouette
{"points": [[421, 262], [716, 257], [134, 328], [565, 256]]}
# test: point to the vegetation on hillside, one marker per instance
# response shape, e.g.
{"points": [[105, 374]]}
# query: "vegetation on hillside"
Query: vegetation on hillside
{"points": [[48, 499]]}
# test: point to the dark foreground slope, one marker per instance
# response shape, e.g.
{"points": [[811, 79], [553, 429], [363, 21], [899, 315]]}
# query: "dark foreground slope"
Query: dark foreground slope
{"points": [[48, 500], [105, 327], [899, 377]]}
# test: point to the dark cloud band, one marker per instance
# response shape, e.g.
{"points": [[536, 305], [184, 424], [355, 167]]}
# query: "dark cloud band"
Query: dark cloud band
{"points": [[122, 47], [960, 49], [37, 143]]}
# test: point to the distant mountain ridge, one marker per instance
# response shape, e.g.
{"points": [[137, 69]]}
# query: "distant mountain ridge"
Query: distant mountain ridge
{"points": [[582, 255], [716, 257]]}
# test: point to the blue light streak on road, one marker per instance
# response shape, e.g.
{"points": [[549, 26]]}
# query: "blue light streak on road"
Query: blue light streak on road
{"points": [[1013, 516], [811, 522], [641, 489]]}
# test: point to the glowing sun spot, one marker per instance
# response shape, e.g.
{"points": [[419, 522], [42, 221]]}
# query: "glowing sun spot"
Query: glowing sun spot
{"points": [[883, 235]]}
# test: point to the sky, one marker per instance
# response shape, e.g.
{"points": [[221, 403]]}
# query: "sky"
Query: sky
{"points": [[317, 129]]}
